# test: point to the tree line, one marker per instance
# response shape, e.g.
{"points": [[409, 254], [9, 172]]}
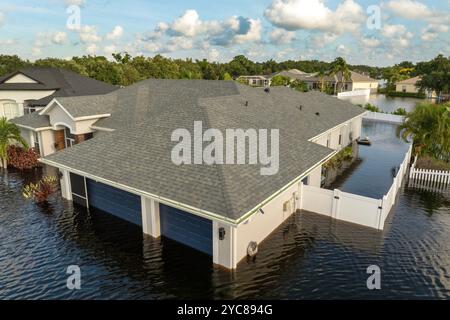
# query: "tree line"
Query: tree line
{"points": [[123, 69]]}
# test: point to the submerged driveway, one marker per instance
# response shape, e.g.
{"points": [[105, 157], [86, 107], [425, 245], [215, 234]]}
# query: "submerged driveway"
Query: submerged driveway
{"points": [[373, 173]]}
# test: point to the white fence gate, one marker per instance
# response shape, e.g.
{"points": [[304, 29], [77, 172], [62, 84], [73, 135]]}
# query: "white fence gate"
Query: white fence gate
{"points": [[353, 208]]}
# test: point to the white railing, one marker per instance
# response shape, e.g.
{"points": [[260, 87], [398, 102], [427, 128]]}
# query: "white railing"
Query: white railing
{"points": [[355, 93], [384, 117], [429, 178], [353, 208]]}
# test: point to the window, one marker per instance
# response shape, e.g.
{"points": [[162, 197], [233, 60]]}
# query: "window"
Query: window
{"points": [[306, 181], [340, 139], [9, 109], [37, 144], [69, 138]]}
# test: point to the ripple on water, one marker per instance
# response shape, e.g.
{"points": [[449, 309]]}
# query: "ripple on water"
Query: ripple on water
{"points": [[310, 256]]}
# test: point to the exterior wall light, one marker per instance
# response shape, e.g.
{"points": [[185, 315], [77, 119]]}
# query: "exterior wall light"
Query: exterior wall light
{"points": [[222, 233], [262, 211]]}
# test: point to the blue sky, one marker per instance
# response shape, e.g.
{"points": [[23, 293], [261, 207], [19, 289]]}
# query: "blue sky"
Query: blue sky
{"points": [[218, 30]]}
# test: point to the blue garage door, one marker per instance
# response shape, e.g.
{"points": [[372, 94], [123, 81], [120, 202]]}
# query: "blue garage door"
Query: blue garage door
{"points": [[122, 204], [186, 228]]}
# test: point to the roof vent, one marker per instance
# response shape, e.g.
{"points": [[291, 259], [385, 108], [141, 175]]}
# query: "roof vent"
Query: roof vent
{"points": [[300, 107], [317, 113], [246, 103], [267, 90]]}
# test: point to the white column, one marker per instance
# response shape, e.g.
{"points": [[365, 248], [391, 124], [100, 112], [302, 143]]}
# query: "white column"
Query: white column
{"points": [[150, 217], [224, 251], [66, 189]]}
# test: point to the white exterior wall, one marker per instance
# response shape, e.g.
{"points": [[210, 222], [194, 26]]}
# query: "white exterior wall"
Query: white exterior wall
{"points": [[409, 88], [151, 224], [58, 117], [260, 225], [373, 86], [20, 78], [27, 135], [84, 126], [19, 96], [315, 177], [47, 139]]}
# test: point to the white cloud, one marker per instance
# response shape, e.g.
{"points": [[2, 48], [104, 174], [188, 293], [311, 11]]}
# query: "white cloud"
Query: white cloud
{"points": [[116, 33], [75, 2], [321, 40], [109, 50], [92, 49], [315, 15], [190, 25], [253, 33], [281, 36], [415, 10], [59, 37], [213, 55], [88, 34], [393, 30], [370, 42], [409, 9], [432, 31], [343, 50]]}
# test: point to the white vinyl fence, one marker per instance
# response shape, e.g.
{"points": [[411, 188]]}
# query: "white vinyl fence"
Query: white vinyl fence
{"points": [[354, 208], [434, 179], [383, 117]]}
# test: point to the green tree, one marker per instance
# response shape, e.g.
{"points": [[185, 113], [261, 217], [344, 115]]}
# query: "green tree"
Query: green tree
{"points": [[429, 128], [299, 85], [280, 81], [9, 134], [227, 77], [340, 68]]}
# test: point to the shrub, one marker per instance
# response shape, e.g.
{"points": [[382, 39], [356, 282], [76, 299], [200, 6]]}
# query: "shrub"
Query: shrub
{"points": [[22, 159], [372, 108], [400, 112], [41, 191]]}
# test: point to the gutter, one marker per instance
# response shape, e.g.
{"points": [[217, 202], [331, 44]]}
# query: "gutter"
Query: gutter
{"points": [[173, 203]]}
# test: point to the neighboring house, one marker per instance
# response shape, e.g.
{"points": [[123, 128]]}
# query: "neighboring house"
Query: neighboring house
{"points": [[128, 170], [31, 89], [408, 85], [356, 82], [255, 81]]}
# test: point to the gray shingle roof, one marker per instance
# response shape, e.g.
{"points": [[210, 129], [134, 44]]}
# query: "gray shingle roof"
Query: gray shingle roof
{"points": [[138, 153], [65, 82], [33, 120]]}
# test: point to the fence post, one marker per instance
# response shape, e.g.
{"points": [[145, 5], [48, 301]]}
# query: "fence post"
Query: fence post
{"points": [[300, 201], [383, 203], [335, 206]]}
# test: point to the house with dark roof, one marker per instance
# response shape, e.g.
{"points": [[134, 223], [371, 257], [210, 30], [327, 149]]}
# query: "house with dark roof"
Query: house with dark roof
{"points": [[221, 209], [31, 89], [26, 91]]}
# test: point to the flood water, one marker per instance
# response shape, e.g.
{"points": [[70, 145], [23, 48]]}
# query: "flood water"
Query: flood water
{"points": [[388, 104], [310, 256]]}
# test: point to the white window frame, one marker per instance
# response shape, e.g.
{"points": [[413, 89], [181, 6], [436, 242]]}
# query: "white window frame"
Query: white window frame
{"points": [[37, 142], [68, 141]]}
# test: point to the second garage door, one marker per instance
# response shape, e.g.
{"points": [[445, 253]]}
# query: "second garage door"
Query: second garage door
{"points": [[186, 228], [122, 204]]}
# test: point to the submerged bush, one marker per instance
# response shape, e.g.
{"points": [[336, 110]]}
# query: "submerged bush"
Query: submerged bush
{"points": [[41, 191], [21, 158]]}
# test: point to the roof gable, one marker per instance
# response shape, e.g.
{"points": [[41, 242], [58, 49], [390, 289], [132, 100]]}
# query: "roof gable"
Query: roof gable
{"points": [[20, 78]]}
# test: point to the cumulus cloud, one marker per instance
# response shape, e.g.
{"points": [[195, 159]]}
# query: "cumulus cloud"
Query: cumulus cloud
{"points": [[315, 15], [75, 2], [239, 30], [415, 10], [432, 31], [88, 34], [370, 42], [281, 36], [116, 33], [92, 49]]}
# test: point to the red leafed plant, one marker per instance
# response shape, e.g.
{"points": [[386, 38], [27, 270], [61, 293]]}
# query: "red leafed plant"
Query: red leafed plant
{"points": [[22, 159], [41, 191]]}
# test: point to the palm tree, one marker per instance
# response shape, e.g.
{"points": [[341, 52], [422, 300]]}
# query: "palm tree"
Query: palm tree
{"points": [[321, 74], [429, 127], [340, 67], [9, 134]]}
